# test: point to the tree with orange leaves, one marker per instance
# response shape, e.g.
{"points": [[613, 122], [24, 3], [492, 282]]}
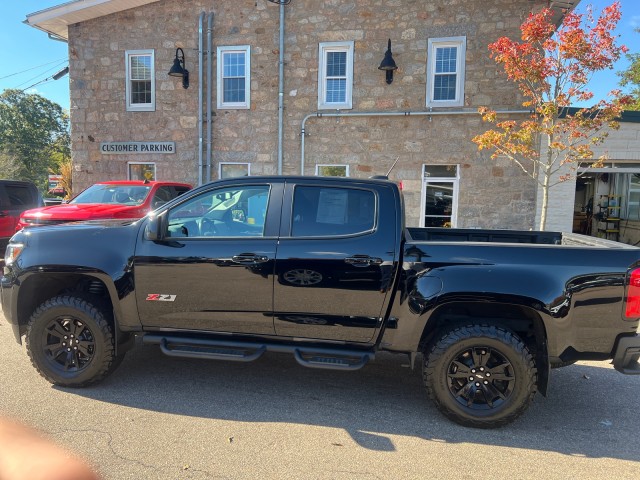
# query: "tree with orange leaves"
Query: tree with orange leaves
{"points": [[552, 67]]}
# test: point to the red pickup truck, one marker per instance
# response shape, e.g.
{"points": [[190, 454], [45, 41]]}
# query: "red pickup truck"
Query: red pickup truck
{"points": [[104, 200]]}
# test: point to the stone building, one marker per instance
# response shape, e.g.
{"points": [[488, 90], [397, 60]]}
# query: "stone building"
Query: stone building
{"points": [[297, 89]]}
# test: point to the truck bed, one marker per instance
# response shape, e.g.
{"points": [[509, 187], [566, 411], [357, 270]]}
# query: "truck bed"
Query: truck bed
{"points": [[432, 234]]}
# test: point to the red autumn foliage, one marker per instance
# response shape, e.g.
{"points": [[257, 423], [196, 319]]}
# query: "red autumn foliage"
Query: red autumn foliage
{"points": [[552, 67]]}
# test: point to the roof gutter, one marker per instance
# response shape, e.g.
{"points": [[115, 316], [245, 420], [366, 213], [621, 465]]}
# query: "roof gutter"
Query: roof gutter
{"points": [[57, 38]]}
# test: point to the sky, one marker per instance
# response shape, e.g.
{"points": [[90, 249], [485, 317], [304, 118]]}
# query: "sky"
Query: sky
{"points": [[31, 57]]}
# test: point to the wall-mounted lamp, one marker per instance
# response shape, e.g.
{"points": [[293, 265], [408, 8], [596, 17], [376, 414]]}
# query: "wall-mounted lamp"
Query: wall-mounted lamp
{"points": [[61, 73], [388, 64], [178, 69]]}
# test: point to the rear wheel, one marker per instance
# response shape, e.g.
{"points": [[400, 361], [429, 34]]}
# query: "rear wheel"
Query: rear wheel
{"points": [[70, 342], [480, 376]]}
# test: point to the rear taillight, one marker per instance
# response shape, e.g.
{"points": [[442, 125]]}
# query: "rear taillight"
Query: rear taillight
{"points": [[633, 295]]}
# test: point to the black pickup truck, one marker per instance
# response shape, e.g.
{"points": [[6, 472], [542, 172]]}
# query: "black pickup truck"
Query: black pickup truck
{"points": [[324, 269]]}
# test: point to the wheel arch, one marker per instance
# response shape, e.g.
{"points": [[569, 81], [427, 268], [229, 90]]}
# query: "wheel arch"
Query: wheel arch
{"points": [[522, 320], [35, 289]]}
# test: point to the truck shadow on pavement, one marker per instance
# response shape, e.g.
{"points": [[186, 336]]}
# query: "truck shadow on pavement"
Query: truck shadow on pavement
{"points": [[591, 410]]}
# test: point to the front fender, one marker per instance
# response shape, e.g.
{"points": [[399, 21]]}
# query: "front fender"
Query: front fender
{"points": [[23, 294], [57, 259]]}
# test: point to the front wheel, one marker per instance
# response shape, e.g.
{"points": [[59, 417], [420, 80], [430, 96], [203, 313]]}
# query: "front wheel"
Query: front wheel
{"points": [[70, 342], [480, 376]]}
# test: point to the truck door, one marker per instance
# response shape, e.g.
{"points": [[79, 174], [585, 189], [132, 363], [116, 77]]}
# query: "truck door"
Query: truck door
{"points": [[212, 267], [336, 260]]}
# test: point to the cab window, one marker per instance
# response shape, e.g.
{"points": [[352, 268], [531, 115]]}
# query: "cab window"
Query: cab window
{"points": [[330, 211], [223, 212]]}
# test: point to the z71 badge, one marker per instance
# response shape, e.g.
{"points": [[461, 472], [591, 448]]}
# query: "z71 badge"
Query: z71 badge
{"points": [[160, 297]]}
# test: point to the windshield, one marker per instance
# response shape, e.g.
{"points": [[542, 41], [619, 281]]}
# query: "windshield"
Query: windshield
{"points": [[120, 194]]}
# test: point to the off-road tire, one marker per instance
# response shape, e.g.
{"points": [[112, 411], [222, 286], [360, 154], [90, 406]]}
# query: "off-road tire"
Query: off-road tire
{"points": [[480, 376], [70, 342]]}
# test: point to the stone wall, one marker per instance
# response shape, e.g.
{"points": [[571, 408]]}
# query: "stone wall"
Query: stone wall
{"points": [[492, 194]]}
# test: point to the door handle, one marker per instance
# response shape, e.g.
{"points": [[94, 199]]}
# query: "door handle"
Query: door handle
{"points": [[363, 260], [249, 258]]}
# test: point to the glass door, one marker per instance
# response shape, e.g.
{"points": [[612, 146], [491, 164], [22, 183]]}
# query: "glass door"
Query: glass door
{"points": [[439, 196]]}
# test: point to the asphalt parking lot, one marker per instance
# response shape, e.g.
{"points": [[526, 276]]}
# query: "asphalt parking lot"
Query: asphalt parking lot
{"points": [[163, 418]]}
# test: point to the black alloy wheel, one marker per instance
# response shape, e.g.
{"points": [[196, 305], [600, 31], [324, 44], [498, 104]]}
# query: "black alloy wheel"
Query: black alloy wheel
{"points": [[69, 345], [480, 376], [70, 341]]}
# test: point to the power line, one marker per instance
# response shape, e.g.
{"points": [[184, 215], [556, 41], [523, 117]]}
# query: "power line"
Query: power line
{"points": [[32, 68], [55, 76]]}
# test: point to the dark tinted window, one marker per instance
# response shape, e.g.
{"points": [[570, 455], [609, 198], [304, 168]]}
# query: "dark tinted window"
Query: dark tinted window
{"points": [[162, 196], [180, 190], [326, 211], [19, 195]]}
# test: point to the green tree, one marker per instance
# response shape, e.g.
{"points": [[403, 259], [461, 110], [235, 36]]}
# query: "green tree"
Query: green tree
{"points": [[9, 167], [332, 171], [631, 78], [34, 136]]}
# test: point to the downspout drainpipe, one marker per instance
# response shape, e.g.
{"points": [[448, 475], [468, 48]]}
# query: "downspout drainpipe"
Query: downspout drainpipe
{"points": [[281, 89], [52, 36], [200, 65], [209, 89], [388, 114]]}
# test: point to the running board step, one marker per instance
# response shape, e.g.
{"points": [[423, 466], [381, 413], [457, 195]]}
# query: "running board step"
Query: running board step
{"points": [[211, 352], [214, 349], [321, 358]]}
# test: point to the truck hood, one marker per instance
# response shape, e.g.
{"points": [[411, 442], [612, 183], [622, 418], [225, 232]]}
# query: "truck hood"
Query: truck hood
{"points": [[77, 244], [84, 211], [75, 230]]}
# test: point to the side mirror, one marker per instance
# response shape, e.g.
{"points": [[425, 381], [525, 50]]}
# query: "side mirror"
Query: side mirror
{"points": [[154, 230]]}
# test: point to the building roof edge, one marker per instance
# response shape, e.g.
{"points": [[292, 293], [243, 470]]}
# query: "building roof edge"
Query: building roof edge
{"points": [[56, 20]]}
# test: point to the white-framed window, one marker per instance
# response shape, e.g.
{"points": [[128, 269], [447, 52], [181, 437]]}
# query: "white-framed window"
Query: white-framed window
{"points": [[439, 204], [445, 71], [141, 80], [233, 169], [234, 77], [335, 75], [332, 170], [141, 171]]}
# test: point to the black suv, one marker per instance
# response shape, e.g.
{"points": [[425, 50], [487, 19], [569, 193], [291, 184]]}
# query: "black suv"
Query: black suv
{"points": [[16, 196]]}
